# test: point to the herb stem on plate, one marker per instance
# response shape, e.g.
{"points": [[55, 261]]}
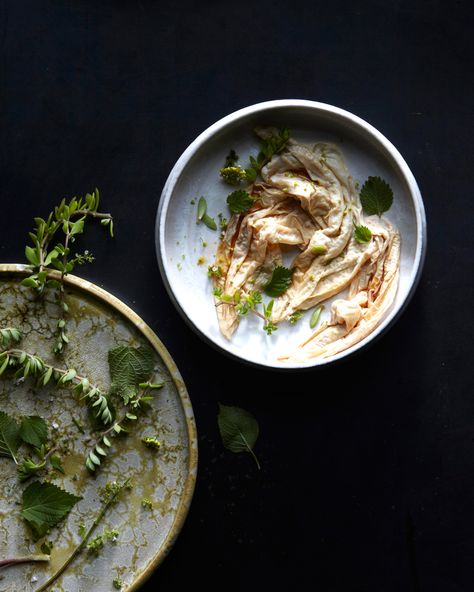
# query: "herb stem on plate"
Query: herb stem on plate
{"points": [[111, 500], [27, 559]]}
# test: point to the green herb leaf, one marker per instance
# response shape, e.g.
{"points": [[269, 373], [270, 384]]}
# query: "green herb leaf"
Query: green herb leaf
{"points": [[34, 431], [238, 429], [313, 321], [376, 196], [279, 282], [57, 464], [129, 366], [202, 208], [44, 505], [239, 201], [9, 436], [209, 222], [295, 317], [362, 234]]}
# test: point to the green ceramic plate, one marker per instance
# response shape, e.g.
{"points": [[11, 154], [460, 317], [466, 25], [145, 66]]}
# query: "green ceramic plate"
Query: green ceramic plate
{"points": [[98, 322]]}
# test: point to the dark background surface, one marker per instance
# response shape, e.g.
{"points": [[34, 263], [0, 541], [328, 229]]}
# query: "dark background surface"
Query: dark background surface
{"points": [[367, 469]]}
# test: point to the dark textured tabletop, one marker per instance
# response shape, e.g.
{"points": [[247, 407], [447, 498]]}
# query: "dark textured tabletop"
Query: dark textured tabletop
{"points": [[367, 472]]}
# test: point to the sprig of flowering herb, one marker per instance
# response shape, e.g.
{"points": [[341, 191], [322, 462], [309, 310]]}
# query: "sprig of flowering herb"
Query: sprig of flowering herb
{"points": [[245, 303], [269, 327], [47, 254]]}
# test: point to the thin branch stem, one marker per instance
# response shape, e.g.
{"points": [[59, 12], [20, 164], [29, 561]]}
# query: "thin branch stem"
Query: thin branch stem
{"points": [[27, 559]]}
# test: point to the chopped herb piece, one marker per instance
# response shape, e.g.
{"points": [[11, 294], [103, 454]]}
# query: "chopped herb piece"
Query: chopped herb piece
{"points": [[214, 271], [147, 503], [318, 249], [209, 222], [118, 583], [313, 321], [295, 317], [362, 234], [202, 208]]}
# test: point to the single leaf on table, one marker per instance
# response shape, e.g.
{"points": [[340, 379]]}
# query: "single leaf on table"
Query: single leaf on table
{"points": [[45, 505], [56, 463], [34, 431], [279, 282], [376, 196], [129, 366], [238, 429], [9, 436]]}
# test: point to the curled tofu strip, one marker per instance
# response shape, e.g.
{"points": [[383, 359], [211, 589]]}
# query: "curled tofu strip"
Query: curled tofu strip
{"points": [[307, 200], [370, 296]]}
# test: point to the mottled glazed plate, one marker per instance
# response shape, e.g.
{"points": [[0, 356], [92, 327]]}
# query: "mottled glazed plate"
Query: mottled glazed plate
{"points": [[185, 249], [98, 322]]}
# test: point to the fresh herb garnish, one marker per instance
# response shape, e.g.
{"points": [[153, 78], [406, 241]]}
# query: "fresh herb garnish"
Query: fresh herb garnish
{"points": [[118, 583], [9, 436], [279, 282], [238, 429], [239, 201], [203, 216], [147, 503], [45, 505], [34, 431], [362, 234], [129, 366], [269, 327], [313, 321], [44, 257], [115, 491], [295, 317], [318, 249], [274, 144], [97, 543], [376, 196], [233, 175]]}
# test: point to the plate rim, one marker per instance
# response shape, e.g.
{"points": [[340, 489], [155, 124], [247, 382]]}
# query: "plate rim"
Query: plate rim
{"points": [[421, 225], [123, 309]]}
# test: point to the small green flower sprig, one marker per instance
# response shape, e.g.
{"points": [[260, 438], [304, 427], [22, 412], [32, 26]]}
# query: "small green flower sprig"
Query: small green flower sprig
{"points": [[44, 256], [24, 364]]}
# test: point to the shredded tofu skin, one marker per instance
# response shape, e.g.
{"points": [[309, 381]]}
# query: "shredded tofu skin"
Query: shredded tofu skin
{"points": [[307, 199]]}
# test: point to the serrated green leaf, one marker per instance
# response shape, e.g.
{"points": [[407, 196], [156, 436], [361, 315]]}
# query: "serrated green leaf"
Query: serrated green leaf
{"points": [[279, 282], [129, 366], [9, 436], [239, 201], [34, 431], [238, 428], [362, 234], [376, 196], [45, 505]]}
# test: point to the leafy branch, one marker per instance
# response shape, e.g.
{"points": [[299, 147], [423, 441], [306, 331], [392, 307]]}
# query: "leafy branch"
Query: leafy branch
{"points": [[109, 501], [44, 256], [245, 303], [100, 450], [24, 364]]}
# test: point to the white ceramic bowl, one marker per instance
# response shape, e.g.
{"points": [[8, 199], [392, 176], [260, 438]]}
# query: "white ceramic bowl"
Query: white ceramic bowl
{"points": [[179, 240]]}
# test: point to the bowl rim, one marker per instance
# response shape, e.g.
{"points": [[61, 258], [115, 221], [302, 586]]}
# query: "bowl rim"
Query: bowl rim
{"points": [[355, 121]]}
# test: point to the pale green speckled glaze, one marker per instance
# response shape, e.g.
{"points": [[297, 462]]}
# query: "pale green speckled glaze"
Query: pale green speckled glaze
{"points": [[97, 322]]}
